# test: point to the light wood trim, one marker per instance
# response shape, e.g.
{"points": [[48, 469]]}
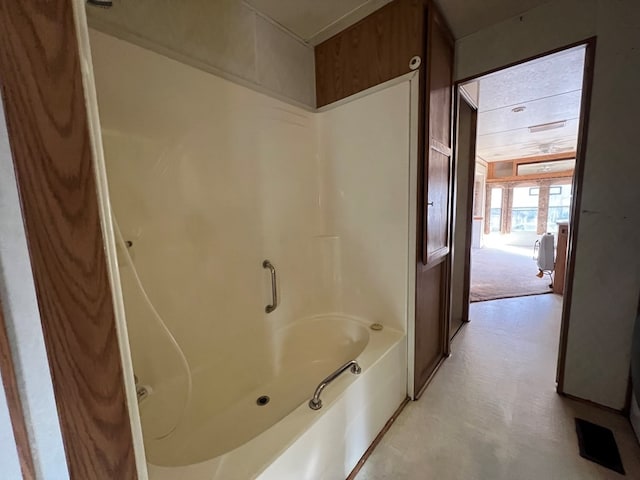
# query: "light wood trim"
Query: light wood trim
{"points": [[48, 129], [16, 412], [532, 182], [541, 158], [526, 161], [531, 178]]}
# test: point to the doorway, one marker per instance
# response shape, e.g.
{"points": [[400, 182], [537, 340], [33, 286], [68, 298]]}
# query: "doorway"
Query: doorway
{"points": [[528, 125], [518, 186]]}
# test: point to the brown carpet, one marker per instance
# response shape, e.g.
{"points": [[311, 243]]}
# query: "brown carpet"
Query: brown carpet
{"points": [[501, 274]]}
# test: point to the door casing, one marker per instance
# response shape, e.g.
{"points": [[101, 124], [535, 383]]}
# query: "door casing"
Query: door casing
{"points": [[587, 84]]}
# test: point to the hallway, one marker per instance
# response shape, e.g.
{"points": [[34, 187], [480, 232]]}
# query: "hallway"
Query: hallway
{"points": [[492, 412]]}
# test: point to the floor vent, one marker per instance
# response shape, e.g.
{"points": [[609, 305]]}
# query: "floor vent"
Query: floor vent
{"points": [[598, 445]]}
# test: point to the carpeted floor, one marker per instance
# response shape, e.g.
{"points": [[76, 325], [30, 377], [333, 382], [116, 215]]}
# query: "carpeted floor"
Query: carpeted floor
{"points": [[498, 273]]}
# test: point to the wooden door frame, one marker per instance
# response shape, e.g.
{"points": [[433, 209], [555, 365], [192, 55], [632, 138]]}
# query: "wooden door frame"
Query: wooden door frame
{"points": [[585, 107], [462, 96], [50, 137]]}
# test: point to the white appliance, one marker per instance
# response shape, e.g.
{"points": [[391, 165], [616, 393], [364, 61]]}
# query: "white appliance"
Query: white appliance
{"points": [[546, 254]]}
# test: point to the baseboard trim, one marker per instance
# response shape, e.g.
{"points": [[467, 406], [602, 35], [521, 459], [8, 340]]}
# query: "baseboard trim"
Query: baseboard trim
{"points": [[593, 404], [376, 440]]}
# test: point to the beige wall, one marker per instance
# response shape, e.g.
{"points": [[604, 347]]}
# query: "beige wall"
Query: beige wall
{"points": [[607, 275], [225, 37]]}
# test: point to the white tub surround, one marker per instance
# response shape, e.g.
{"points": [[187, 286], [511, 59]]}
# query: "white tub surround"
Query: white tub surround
{"points": [[208, 179]]}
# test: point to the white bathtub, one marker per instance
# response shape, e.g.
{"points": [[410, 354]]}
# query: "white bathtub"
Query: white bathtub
{"points": [[285, 438]]}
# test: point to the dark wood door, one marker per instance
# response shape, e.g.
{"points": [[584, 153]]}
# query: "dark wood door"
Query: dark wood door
{"points": [[429, 329], [437, 209], [438, 183], [434, 206]]}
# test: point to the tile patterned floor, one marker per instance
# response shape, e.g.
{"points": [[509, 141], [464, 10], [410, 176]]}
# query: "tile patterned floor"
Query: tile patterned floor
{"points": [[492, 413]]}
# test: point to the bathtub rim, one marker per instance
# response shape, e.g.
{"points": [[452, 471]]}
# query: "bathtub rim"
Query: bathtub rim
{"points": [[338, 315], [379, 344]]}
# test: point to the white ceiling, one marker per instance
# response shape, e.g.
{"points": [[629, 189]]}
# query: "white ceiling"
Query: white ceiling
{"points": [[549, 89], [469, 16], [316, 20]]}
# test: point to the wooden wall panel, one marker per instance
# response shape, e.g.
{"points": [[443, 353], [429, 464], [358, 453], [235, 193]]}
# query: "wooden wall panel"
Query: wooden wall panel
{"points": [[373, 51], [47, 122]]}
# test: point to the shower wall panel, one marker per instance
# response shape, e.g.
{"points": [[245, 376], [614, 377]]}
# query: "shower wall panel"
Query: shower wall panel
{"points": [[207, 179], [366, 169]]}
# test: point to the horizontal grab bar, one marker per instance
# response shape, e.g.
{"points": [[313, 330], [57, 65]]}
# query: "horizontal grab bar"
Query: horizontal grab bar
{"points": [[315, 403]]}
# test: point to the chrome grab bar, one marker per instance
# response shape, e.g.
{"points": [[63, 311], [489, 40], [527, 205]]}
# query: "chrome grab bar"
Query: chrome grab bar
{"points": [[141, 391], [315, 403], [274, 287]]}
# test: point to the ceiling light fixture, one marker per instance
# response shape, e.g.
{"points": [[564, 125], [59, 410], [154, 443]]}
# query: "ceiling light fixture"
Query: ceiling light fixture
{"points": [[518, 109], [547, 126]]}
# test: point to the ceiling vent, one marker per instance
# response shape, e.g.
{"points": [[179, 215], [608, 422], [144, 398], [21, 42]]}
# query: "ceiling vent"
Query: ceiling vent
{"points": [[543, 127]]}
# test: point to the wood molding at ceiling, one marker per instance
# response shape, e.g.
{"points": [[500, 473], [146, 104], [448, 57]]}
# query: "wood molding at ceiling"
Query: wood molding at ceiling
{"points": [[538, 158], [47, 122], [16, 412]]}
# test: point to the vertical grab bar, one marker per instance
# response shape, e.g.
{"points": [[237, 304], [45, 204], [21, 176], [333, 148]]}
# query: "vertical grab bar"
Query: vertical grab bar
{"points": [[274, 287]]}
